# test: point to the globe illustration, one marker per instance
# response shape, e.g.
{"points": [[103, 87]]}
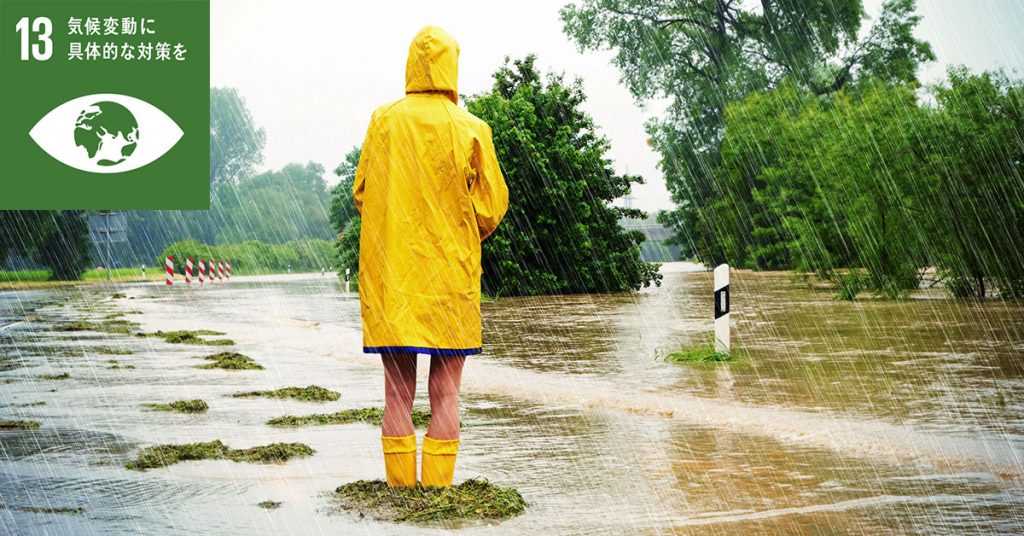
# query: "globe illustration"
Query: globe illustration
{"points": [[108, 132]]}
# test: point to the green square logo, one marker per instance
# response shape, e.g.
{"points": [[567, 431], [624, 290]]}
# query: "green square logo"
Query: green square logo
{"points": [[105, 104]]}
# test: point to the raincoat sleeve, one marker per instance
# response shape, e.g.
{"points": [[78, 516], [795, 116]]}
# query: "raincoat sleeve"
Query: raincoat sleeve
{"points": [[488, 189], [364, 166]]}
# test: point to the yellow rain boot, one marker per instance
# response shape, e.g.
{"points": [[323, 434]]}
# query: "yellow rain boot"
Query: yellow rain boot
{"points": [[400, 460], [438, 461]]}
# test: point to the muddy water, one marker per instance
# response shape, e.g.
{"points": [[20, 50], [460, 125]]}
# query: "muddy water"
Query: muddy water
{"points": [[872, 417]]}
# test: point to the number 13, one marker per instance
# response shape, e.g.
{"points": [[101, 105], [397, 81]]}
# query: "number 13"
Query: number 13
{"points": [[44, 49]]}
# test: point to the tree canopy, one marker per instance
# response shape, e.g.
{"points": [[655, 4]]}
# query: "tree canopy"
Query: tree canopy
{"points": [[704, 54]]}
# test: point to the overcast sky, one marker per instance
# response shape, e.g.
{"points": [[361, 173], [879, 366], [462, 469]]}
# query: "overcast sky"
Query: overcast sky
{"points": [[312, 71]]}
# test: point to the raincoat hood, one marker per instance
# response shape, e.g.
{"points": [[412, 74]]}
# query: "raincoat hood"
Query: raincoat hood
{"points": [[433, 63]]}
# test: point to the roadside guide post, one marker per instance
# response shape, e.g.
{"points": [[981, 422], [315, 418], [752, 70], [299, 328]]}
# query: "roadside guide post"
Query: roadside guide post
{"points": [[722, 308]]}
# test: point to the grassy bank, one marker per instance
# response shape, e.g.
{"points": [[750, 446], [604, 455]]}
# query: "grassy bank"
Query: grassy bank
{"points": [[39, 279]]}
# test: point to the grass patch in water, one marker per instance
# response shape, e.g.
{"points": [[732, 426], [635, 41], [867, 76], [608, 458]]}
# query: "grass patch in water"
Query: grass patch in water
{"points": [[61, 376], [181, 406], [10, 424], [420, 418], [472, 499], [311, 393], [186, 336], [700, 354], [269, 505], [113, 351], [164, 455], [230, 361], [113, 325], [66, 510], [118, 296]]}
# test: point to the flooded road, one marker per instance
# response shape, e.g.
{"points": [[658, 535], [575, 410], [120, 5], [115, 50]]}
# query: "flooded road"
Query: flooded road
{"points": [[871, 417]]}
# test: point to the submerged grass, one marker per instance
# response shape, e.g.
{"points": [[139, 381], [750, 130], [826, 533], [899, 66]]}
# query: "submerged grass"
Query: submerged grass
{"points": [[181, 406], [61, 376], [164, 455], [311, 393], [110, 325], [704, 353], [230, 361], [188, 336], [269, 505], [67, 510], [114, 351], [10, 424], [472, 499], [420, 418]]}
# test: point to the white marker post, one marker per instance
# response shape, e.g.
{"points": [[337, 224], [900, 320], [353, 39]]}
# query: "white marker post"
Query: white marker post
{"points": [[347, 271], [722, 308]]}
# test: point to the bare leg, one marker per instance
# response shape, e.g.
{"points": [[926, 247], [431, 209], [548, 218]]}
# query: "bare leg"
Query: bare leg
{"points": [[399, 391], [444, 384]]}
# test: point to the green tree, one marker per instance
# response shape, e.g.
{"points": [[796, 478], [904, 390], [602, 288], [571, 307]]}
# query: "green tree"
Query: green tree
{"points": [[704, 54], [977, 195], [236, 143], [64, 246], [560, 234], [342, 206]]}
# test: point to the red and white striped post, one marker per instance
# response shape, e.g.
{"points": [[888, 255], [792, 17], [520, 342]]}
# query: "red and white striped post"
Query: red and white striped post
{"points": [[202, 268], [188, 271], [227, 266], [220, 271], [169, 268], [210, 272]]}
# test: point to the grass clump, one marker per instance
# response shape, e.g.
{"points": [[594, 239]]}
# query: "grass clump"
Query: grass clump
{"points": [[185, 336], [9, 424], [311, 393], [67, 510], [472, 499], [700, 354], [118, 296], [181, 406], [114, 325], [269, 505], [114, 351], [420, 418], [164, 455], [230, 361], [61, 376]]}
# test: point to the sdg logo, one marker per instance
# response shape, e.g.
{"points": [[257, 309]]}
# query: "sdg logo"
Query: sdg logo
{"points": [[105, 105], [106, 133]]}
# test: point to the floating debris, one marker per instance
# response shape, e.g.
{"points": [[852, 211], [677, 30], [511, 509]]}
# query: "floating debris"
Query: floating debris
{"points": [[269, 505], [117, 296], [311, 393], [8, 424], [164, 455], [231, 361], [61, 376], [472, 499], [181, 406], [420, 418]]}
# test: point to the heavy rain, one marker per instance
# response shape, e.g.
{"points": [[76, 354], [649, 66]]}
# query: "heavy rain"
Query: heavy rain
{"points": [[761, 272]]}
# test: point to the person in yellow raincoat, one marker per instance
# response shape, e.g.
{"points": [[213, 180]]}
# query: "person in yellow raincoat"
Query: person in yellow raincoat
{"points": [[429, 190]]}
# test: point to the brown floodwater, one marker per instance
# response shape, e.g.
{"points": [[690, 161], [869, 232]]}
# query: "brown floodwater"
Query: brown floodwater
{"points": [[870, 417]]}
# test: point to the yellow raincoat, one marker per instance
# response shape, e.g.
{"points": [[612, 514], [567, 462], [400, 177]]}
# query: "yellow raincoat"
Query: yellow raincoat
{"points": [[429, 190]]}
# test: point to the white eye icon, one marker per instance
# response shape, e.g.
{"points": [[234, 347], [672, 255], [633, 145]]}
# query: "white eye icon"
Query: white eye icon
{"points": [[106, 133]]}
